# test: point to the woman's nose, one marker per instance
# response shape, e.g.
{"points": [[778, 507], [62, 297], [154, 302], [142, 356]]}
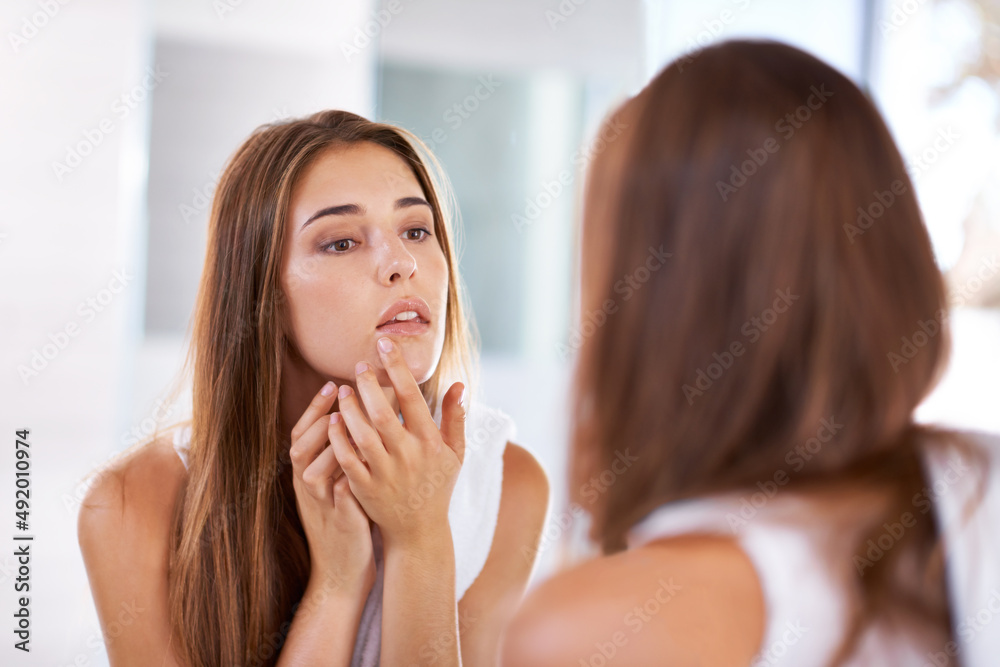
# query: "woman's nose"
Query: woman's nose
{"points": [[395, 262]]}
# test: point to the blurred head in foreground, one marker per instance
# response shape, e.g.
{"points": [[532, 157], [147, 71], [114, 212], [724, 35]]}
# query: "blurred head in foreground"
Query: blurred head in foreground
{"points": [[784, 310]]}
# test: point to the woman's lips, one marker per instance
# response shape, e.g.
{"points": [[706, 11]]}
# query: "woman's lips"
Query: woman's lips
{"points": [[407, 328]]}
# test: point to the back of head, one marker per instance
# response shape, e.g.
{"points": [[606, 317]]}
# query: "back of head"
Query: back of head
{"points": [[756, 243]]}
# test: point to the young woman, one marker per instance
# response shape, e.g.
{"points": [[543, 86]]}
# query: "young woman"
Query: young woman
{"points": [[743, 437], [333, 500]]}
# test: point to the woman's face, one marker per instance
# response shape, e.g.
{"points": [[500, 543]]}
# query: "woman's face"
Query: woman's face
{"points": [[360, 238]]}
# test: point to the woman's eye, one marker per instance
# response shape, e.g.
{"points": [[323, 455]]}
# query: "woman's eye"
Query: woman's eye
{"points": [[341, 246], [338, 246]]}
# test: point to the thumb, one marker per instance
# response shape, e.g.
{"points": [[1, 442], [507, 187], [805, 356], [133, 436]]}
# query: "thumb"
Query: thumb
{"points": [[454, 408]]}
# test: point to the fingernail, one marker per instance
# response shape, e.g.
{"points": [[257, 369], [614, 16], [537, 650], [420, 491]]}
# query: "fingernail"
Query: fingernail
{"points": [[334, 418], [327, 389], [345, 390], [385, 344], [360, 368], [461, 398]]}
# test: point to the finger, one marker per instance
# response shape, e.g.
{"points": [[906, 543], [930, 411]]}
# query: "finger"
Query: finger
{"points": [[453, 413], [411, 401], [308, 446], [343, 498], [318, 476], [350, 439], [354, 468], [320, 403], [380, 413], [365, 437], [336, 472]]}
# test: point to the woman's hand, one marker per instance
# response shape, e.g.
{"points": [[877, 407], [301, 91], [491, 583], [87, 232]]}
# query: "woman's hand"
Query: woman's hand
{"points": [[407, 475], [337, 529]]}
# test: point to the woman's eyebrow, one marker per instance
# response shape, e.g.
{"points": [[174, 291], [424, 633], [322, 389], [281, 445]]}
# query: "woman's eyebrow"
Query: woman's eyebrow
{"points": [[343, 209], [357, 209], [406, 202]]}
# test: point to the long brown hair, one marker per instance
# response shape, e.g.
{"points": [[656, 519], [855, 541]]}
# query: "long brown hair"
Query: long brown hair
{"points": [[239, 558], [798, 284]]}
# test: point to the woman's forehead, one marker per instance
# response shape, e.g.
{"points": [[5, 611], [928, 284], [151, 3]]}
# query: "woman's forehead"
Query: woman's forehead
{"points": [[360, 167], [364, 174]]}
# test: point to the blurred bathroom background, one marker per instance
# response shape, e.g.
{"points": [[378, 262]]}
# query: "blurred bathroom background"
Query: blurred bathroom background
{"points": [[118, 116]]}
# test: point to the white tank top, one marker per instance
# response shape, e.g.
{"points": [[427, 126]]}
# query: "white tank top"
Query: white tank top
{"points": [[805, 565], [475, 505]]}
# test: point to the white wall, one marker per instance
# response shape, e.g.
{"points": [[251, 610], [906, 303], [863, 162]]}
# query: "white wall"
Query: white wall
{"points": [[833, 31], [67, 236]]}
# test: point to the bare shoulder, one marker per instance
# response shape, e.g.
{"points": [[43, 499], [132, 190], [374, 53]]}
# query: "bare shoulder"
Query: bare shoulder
{"points": [[525, 484], [129, 504], [524, 504], [124, 532], [686, 600]]}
